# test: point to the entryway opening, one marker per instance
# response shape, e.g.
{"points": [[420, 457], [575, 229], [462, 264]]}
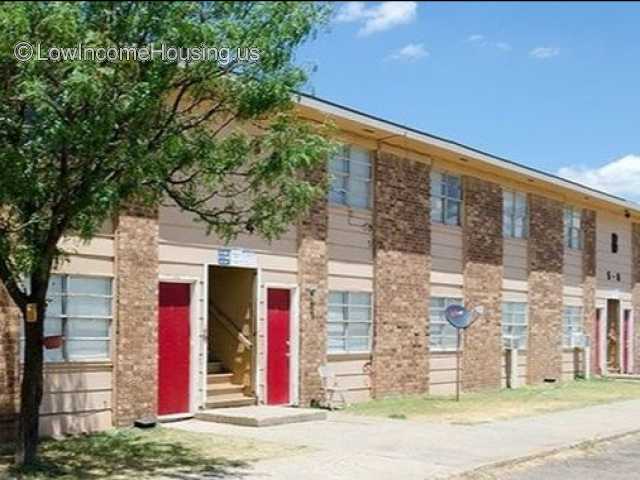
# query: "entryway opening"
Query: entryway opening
{"points": [[613, 336], [231, 337]]}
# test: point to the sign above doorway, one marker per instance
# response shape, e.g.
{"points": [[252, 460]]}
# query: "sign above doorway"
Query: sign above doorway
{"points": [[237, 257]]}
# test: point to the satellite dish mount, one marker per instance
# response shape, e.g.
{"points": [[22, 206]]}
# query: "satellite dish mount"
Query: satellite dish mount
{"points": [[460, 318]]}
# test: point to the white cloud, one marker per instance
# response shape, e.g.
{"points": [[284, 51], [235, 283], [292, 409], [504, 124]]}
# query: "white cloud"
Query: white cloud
{"points": [[544, 52], [377, 18], [482, 41], [410, 52], [476, 38], [619, 177], [504, 46]]}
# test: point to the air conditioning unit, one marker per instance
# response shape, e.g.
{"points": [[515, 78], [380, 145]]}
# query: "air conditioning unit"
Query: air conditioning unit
{"points": [[580, 341]]}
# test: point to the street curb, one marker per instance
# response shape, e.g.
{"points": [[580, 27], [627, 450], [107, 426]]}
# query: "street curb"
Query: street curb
{"points": [[539, 455]]}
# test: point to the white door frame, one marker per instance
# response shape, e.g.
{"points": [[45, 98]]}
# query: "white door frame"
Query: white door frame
{"points": [[193, 337], [204, 334], [294, 339]]}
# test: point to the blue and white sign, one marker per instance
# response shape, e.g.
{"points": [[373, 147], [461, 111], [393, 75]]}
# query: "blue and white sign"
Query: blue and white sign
{"points": [[237, 257]]}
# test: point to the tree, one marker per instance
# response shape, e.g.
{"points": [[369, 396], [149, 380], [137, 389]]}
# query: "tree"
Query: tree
{"points": [[80, 138]]}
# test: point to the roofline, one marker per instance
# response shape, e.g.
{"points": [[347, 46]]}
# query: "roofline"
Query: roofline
{"points": [[349, 113]]}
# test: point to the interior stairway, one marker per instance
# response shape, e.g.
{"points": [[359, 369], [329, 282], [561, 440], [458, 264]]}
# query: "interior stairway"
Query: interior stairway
{"points": [[221, 392]]}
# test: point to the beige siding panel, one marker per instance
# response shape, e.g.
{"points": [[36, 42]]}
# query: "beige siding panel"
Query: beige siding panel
{"points": [[607, 261], [442, 389], [77, 381], [446, 291], [349, 236], [515, 285], [572, 269], [446, 248], [350, 269], [514, 296], [99, 246], [283, 263], [186, 254], [74, 402], [178, 227], [351, 284], [276, 277], [442, 376], [515, 259], [76, 423], [352, 374], [442, 373], [446, 278], [442, 361], [177, 271], [80, 265]]}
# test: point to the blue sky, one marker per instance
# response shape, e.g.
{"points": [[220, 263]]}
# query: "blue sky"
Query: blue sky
{"points": [[552, 85]]}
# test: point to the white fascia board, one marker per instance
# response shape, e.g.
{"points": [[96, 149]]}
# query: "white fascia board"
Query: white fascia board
{"points": [[335, 110]]}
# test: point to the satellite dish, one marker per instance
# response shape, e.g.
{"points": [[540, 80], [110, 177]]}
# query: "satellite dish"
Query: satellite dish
{"points": [[458, 316]]}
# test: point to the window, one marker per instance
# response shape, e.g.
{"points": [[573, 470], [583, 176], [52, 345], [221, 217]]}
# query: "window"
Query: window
{"points": [[571, 324], [572, 228], [614, 243], [442, 335], [514, 214], [350, 321], [79, 308], [351, 178], [446, 198], [514, 324]]}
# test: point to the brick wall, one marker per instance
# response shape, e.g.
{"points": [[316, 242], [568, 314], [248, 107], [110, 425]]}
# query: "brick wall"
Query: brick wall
{"points": [[313, 310], [635, 274], [545, 258], [401, 270], [589, 278], [137, 315], [482, 256], [9, 376]]}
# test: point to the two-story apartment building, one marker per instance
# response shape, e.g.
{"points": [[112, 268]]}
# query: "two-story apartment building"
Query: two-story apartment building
{"points": [[159, 318]]}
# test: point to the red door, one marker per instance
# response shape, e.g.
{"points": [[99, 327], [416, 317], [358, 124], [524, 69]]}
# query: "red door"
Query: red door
{"points": [[173, 348], [278, 304], [597, 347]]}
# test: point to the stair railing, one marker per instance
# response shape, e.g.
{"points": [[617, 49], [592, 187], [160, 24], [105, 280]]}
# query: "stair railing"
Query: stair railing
{"points": [[228, 324]]}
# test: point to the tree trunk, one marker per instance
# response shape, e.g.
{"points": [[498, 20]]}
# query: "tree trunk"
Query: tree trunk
{"points": [[31, 391]]}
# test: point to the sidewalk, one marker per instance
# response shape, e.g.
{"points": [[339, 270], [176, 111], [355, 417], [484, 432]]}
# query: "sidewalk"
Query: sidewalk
{"points": [[353, 447]]}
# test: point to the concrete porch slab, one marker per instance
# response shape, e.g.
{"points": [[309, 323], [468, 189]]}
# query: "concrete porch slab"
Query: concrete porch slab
{"points": [[261, 415]]}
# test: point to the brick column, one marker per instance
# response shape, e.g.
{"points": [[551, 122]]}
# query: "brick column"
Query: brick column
{"points": [[635, 298], [589, 279], [545, 259], [136, 358], [9, 364], [401, 276], [482, 284], [313, 309]]}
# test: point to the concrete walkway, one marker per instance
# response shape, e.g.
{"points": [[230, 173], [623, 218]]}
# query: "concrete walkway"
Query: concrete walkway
{"points": [[354, 447]]}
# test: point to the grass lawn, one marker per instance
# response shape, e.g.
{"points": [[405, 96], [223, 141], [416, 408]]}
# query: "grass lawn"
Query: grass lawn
{"points": [[143, 454], [498, 405]]}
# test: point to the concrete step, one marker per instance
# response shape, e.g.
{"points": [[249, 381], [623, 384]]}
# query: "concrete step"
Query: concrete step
{"points": [[216, 367], [261, 416], [216, 389], [219, 378], [229, 400]]}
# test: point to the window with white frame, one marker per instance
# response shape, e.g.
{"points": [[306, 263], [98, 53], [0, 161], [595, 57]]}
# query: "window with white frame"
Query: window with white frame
{"points": [[572, 324], [572, 227], [442, 335], [446, 198], [514, 325], [350, 322], [351, 174], [79, 309], [514, 214]]}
